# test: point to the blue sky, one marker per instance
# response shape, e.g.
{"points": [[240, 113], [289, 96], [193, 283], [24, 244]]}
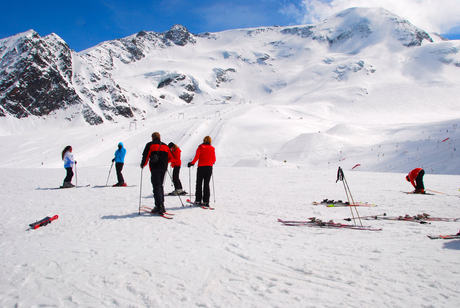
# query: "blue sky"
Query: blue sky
{"points": [[83, 24]]}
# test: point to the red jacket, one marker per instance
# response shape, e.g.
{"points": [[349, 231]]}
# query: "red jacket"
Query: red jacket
{"points": [[205, 155], [413, 175], [175, 161], [156, 147]]}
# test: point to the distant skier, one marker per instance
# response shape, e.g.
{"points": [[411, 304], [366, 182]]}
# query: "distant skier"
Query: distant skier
{"points": [[69, 162], [119, 160], [158, 155], [176, 164], [206, 157], [415, 177]]}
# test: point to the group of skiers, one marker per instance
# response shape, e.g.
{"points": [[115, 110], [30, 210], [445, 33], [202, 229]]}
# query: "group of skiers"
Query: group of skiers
{"points": [[158, 155], [70, 162]]}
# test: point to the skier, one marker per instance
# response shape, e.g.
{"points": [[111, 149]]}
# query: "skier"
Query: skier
{"points": [[69, 162], [175, 164], [415, 177], [158, 155], [119, 160], [206, 157]]}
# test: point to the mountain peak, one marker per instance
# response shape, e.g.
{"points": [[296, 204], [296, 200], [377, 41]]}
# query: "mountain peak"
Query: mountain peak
{"points": [[179, 35], [373, 25]]}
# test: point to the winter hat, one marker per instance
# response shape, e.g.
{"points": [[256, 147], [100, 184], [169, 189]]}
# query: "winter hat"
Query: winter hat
{"points": [[171, 145]]}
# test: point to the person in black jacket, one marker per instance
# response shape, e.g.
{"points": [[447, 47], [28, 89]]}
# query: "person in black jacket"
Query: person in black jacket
{"points": [[158, 155]]}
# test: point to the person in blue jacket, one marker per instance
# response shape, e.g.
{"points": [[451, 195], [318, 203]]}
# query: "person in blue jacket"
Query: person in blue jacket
{"points": [[119, 160], [69, 162]]}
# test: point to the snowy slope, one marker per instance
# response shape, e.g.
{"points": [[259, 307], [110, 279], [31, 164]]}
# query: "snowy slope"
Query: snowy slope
{"points": [[101, 253]]}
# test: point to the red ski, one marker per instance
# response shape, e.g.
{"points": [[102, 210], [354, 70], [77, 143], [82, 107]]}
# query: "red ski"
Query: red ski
{"points": [[200, 205], [445, 237], [43, 222], [149, 210]]}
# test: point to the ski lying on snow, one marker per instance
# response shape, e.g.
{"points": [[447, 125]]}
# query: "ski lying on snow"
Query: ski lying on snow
{"points": [[339, 203], [43, 222], [313, 222], [444, 237], [149, 210], [203, 207], [422, 218]]}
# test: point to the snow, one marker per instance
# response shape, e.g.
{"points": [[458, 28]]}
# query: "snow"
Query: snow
{"points": [[101, 252], [276, 154]]}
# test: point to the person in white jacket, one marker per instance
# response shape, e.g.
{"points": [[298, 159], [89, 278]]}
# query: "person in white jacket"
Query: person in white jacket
{"points": [[69, 162]]}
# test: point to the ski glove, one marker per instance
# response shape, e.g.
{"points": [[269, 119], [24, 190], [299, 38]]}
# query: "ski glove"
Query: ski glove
{"points": [[189, 165]]}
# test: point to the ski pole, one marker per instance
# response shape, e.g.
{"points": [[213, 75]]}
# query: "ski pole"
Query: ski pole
{"points": [[140, 192], [436, 191], [76, 176], [172, 181], [341, 177], [213, 190], [170, 176], [190, 183], [109, 174]]}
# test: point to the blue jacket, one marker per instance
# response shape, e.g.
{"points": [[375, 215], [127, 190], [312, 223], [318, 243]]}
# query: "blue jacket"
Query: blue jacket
{"points": [[120, 154]]}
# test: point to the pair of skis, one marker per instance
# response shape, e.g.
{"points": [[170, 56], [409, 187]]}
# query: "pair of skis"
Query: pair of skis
{"points": [[340, 203], [313, 222], [200, 205], [149, 210], [168, 215], [422, 218]]}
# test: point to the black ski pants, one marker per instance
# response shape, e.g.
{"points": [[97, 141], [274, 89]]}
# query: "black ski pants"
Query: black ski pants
{"points": [[69, 175], [176, 180], [119, 167], [419, 180], [157, 178], [203, 176]]}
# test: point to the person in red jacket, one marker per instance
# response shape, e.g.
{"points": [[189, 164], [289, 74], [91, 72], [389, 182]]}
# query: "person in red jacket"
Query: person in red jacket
{"points": [[206, 157], [157, 155], [175, 164], [415, 177]]}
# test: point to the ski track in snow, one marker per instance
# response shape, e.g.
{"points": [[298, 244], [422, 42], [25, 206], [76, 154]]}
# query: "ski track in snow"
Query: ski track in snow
{"points": [[100, 252]]}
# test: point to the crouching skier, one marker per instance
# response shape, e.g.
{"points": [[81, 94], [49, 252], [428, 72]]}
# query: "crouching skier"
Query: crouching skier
{"points": [[415, 177]]}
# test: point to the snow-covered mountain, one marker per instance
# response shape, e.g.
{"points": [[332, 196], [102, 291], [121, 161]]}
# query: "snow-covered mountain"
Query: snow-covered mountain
{"points": [[361, 80], [356, 48]]}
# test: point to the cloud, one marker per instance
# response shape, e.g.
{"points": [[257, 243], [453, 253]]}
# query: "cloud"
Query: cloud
{"points": [[440, 16]]}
